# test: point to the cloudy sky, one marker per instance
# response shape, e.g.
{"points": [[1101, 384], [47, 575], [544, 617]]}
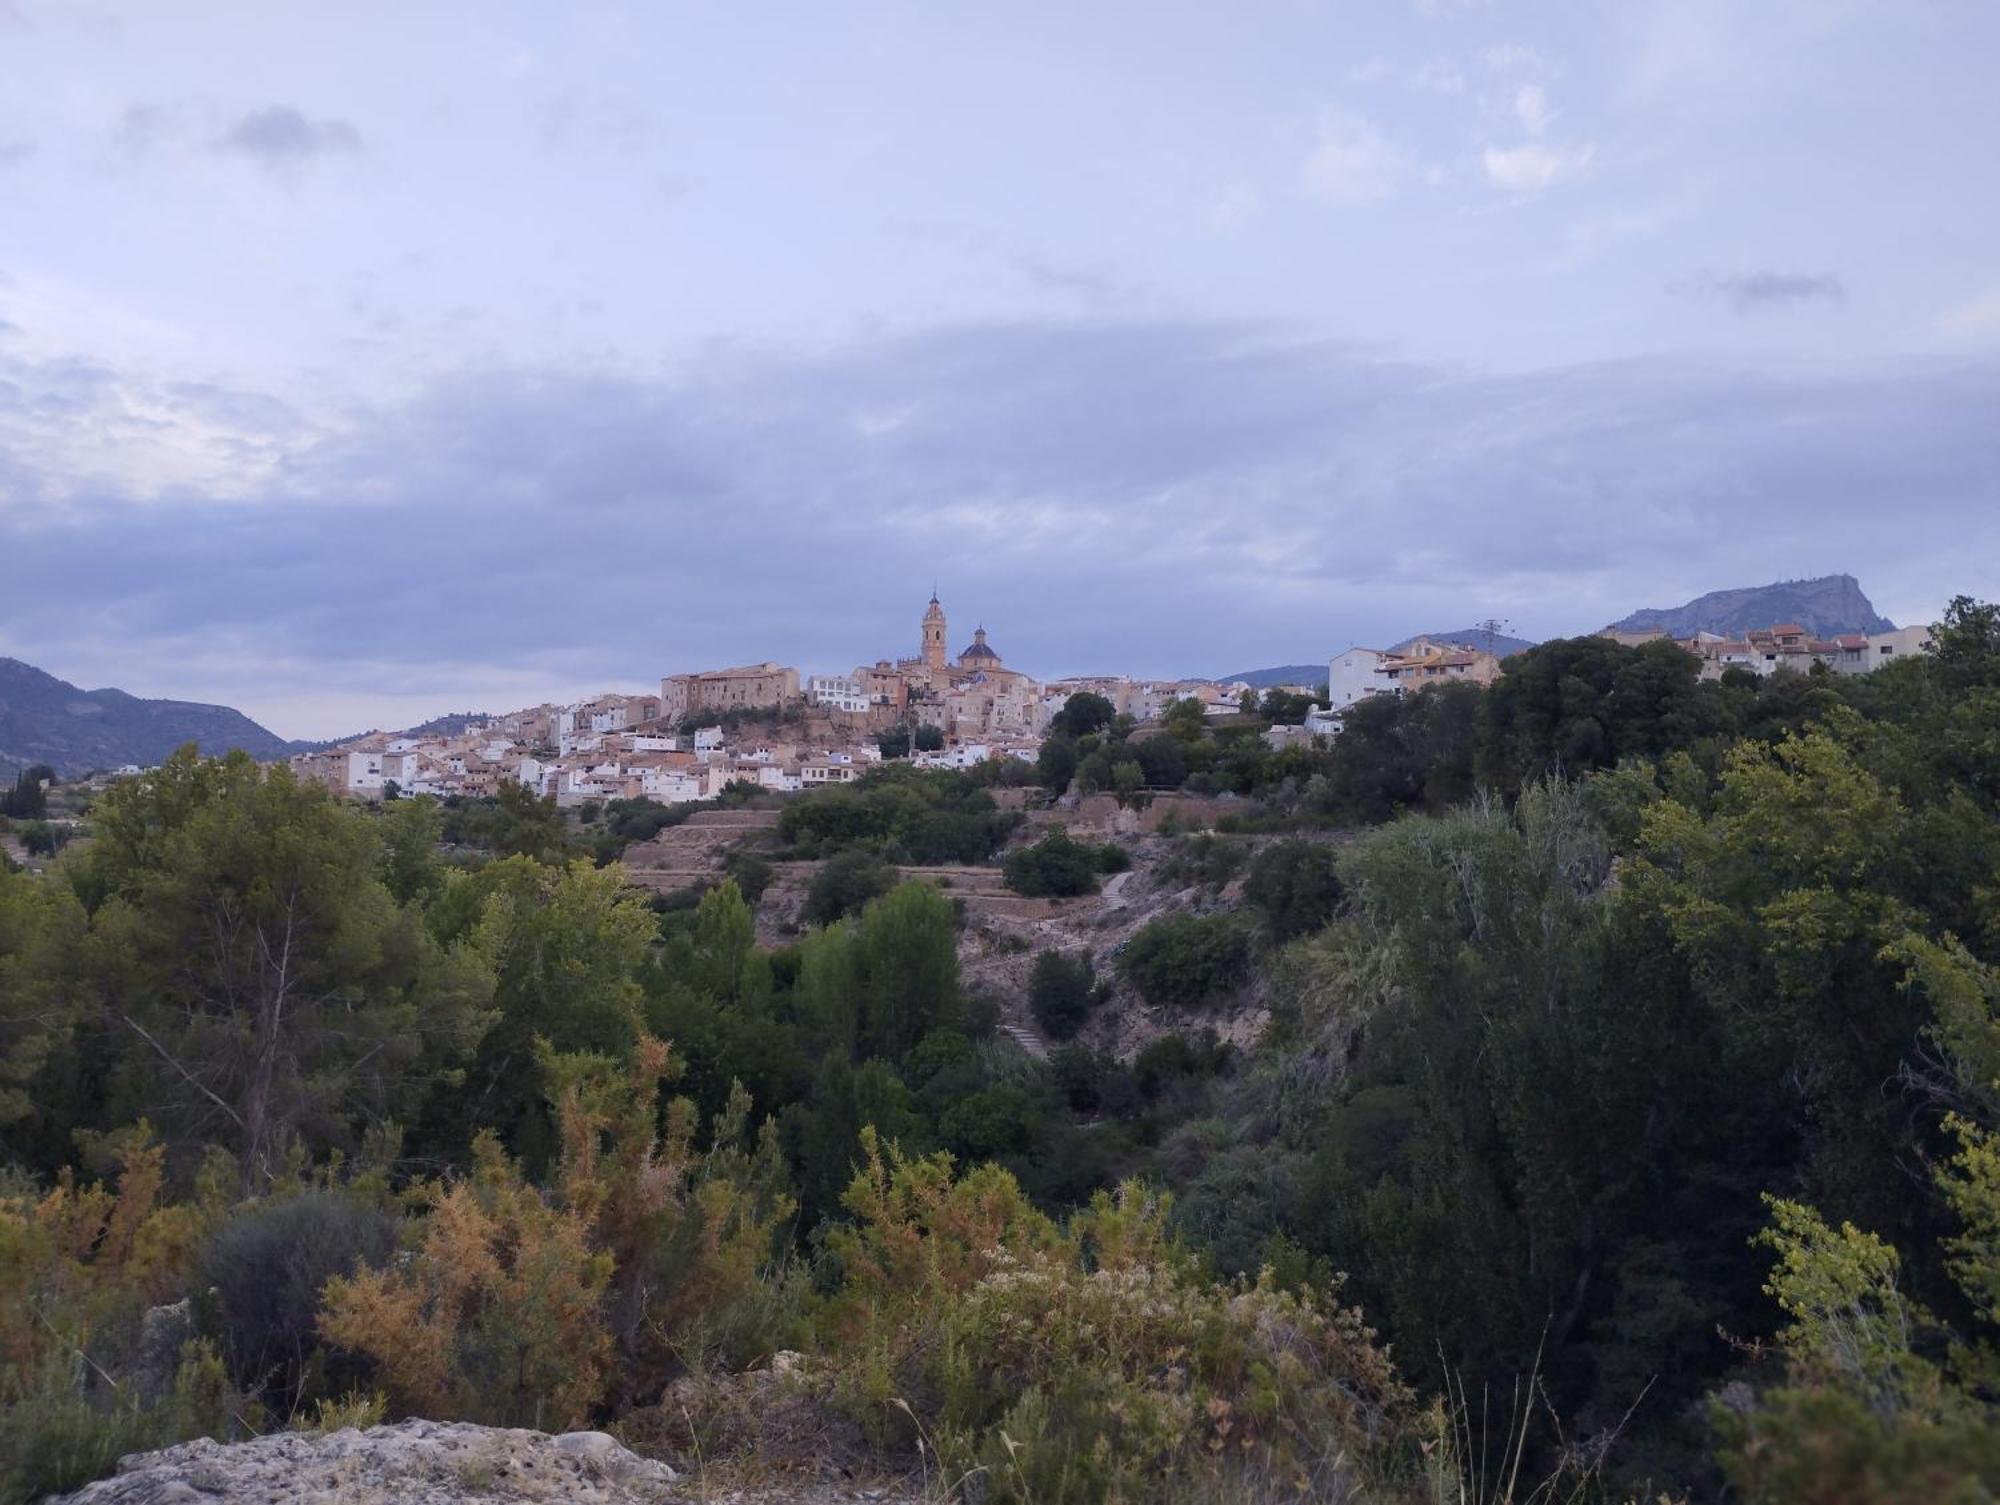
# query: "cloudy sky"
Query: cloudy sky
{"points": [[364, 361]]}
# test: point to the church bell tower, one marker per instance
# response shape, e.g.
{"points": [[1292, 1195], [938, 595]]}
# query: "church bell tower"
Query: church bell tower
{"points": [[934, 635]]}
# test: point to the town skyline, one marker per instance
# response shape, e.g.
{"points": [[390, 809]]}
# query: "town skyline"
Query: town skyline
{"points": [[556, 349], [806, 669]]}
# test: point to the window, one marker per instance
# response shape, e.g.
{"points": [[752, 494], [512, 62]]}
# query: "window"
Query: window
{"points": [[1888, 648]]}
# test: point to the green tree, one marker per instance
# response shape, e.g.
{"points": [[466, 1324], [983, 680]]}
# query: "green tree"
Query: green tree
{"points": [[1402, 753], [41, 943], [1297, 886], [530, 825], [1055, 764], [1057, 866], [844, 884], [1128, 779], [728, 967], [1059, 993], [263, 973], [1577, 704], [1186, 959], [909, 963], [752, 872], [566, 945], [1965, 645], [1083, 713], [1186, 719], [28, 799], [411, 831]]}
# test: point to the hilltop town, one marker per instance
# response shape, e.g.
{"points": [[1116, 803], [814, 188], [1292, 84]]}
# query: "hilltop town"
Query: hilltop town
{"points": [[763, 724], [767, 726]]}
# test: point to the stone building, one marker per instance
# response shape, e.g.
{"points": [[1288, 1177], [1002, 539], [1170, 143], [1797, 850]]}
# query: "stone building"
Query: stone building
{"points": [[765, 686]]}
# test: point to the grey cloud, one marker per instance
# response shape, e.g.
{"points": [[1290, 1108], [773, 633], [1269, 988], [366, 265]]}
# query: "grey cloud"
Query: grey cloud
{"points": [[1749, 291], [1088, 283], [613, 125], [1096, 287], [18, 150], [1154, 497], [282, 138], [144, 126]]}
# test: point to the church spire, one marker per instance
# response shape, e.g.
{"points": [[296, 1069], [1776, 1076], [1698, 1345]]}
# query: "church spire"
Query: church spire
{"points": [[934, 635]]}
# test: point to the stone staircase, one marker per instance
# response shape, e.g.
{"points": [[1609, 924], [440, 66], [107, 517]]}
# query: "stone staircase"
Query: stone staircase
{"points": [[1027, 1039]]}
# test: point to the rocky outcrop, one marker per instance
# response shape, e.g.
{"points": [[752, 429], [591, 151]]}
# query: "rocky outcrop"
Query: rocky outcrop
{"points": [[1826, 606], [410, 1463]]}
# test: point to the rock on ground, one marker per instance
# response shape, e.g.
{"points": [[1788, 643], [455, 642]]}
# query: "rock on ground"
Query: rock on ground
{"points": [[410, 1463]]}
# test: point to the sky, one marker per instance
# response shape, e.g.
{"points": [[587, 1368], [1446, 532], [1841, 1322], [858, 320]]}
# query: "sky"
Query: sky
{"points": [[364, 362]]}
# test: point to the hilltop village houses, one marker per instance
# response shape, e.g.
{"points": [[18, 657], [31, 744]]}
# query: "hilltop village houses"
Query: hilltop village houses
{"points": [[761, 724], [764, 725], [1359, 673]]}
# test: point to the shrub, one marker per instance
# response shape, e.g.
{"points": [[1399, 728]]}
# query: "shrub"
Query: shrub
{"points": [[524, 1307], [752, 871], [59, 1430], [1057, 866], [902, 814], [1059, 992], [496, 1317], [79, 1267], [1296, 886], [1186, 959], [1091, 1361], [1092, 1081], [1204, 858], [1175, 1058], [844, 885], [263, 1271]]}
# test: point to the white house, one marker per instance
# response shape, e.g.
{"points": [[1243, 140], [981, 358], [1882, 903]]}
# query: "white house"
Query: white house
{"points": [[836, 692], [814, 772], [404, 765], [363, 773], [673, 786], [964, 755], [1350, 676]]}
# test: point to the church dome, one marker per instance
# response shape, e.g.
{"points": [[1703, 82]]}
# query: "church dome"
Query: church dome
{"points": [[980, 652]]}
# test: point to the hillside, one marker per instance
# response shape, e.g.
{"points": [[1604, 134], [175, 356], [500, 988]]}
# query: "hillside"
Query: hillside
{"points": [[1827, 605], [1283, 674], [448, 725], [47, 720], [1501, 643]]}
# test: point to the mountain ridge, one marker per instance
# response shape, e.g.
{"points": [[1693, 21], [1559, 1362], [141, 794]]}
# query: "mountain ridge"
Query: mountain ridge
{"points": [[1315, 674], [450, 724], [1824, 605], [44, 719]]}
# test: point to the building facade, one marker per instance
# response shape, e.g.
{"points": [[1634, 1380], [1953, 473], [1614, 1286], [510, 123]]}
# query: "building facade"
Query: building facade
{"points": [[765, 686]]}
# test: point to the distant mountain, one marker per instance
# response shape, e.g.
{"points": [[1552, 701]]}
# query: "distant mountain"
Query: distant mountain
{"points": [[45, 720], [1315, 674], [447, 725], [1823, 607], [1502, 644], [1284, 674]]}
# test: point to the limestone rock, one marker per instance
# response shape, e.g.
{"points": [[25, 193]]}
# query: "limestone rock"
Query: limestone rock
{"points": [[161, 1333], [410, 1463]]}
